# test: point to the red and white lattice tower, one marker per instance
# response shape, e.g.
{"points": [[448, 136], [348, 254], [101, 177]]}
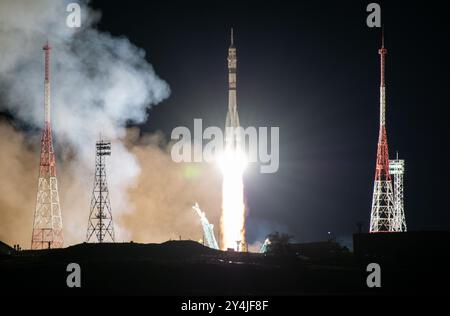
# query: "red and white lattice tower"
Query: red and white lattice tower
{"points": [[47, 226], [382, 217]]}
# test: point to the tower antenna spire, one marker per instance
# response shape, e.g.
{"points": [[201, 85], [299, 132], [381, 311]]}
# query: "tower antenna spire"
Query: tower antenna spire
{"points": [[47, 108]]}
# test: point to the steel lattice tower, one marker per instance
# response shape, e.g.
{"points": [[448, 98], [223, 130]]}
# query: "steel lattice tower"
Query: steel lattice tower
{"points": [[47, 225], [101, 224], [397, 170], [382, 214]]}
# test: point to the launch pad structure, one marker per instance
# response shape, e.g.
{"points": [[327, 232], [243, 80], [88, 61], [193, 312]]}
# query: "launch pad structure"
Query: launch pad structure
{"points": [[208, 229]]}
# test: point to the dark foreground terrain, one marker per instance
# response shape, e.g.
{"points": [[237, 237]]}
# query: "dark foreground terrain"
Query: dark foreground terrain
{"points": [[188, 268]]}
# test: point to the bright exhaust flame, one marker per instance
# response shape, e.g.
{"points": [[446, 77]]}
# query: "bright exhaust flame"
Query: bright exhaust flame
{"points": [[233, 163]]}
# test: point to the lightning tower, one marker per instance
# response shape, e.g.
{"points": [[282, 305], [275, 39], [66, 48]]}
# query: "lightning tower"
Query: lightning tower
{"points": [[47, 225], [397, 170], [383, 213], [100, 225]]}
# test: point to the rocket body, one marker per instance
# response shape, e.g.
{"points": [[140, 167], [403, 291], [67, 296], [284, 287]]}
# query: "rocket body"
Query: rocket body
{"points": [[232, 119]]}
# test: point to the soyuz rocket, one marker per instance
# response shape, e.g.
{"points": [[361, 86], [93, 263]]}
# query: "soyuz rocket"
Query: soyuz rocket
{"points": [[232, 139]]}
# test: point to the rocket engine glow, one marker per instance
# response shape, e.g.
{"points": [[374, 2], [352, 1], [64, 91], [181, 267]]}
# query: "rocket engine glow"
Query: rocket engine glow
{"points": [[232, 163]]}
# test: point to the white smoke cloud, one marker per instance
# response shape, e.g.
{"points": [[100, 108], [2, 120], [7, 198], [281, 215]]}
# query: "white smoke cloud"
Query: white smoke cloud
{"points": [[99, 83]]}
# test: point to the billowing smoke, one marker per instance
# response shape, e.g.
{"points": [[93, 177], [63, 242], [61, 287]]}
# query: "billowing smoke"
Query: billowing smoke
{"points": [[165, 192], [18, 169], [99, 84]]}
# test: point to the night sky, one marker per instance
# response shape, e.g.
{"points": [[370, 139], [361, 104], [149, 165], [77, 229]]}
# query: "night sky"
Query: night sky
{"points": [[311, 68]]}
